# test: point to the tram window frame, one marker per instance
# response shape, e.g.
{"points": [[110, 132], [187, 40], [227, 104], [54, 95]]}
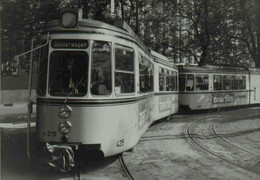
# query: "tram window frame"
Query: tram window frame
{"points": [[218, 82], [42, 73], [242, 80], [234, 83], [174, 81], [146, 73], [191, 88], [101, 73], [124, 77], [227, 82], [162, 80], [168, 77], [204, 85], [182, 82], [58, 83]]}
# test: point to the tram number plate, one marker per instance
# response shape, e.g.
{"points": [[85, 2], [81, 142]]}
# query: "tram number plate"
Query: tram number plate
{"points": [[49, 133], [120, 143]]}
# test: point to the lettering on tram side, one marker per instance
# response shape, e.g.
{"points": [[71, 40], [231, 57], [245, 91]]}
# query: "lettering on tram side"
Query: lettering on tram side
{"points": [[222, 98], [143, 114], [165, 103], [49, 133], [120, 143], [135, 118]]}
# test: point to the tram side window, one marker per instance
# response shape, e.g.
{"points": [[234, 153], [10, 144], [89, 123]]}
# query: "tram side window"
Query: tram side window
{"points": [[227, 82], [242, 82], [101, 68], [124, 70], [161, 79], [41, 90], [172, 83], [234, 83], [190, 82], [202, 82], [168, 81], [217, 82], [182, 82], [145, 74]]}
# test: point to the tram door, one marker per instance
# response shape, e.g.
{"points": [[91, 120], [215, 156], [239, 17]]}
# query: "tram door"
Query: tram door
{"points": [[255, 89]]}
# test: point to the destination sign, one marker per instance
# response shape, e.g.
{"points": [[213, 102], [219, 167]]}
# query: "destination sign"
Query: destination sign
{"points": [[69, 43]]}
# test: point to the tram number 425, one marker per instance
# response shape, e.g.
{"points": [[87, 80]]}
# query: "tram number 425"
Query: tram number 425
{"points": [[49, 133], [120, 143]]}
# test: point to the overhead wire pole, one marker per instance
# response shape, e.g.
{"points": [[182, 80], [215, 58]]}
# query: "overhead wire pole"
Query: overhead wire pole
{"points": [[30, 104], [179, 31], [137, 18], [0, 55]]}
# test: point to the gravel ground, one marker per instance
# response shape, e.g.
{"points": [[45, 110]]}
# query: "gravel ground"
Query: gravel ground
{"points": [[164, 152]]}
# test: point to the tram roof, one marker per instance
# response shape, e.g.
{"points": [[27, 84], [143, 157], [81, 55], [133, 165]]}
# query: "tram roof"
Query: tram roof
{"points": [[159, 58], [212, 69], [118, 29]]}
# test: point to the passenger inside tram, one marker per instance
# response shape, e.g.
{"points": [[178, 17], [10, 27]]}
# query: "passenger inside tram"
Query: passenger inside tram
{"points": [[99, 84]]}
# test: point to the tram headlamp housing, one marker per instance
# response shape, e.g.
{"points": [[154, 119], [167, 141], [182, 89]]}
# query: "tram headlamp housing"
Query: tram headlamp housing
{"points": [[65, 112], [69, 18], [65, 127]]}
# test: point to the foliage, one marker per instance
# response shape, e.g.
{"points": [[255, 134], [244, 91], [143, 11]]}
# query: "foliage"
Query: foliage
{"points": [[209, 31]]}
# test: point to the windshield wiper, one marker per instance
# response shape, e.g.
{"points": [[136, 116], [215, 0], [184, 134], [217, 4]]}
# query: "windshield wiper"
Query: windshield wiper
{"points": [[75, 87]]}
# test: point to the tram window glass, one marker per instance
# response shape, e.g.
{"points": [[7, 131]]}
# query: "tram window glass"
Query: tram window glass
{"points": [[124, 70], [145, 74], [172, 81], [217, 82], [190, 82], [41, 90], [182, 82], [242, 82], [101, 68], [202, 82], [227, 82], [124, 59], [175, 80], [168, 80], [161, 79], [68, 73], [234, 83]]}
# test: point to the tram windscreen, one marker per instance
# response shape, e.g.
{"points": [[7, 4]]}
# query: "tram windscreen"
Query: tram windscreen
{"points": [[68, 73]]}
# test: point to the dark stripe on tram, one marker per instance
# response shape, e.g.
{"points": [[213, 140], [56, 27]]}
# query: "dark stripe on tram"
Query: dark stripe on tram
{"points": [[166, 93], [92, 101], [213, 92]]}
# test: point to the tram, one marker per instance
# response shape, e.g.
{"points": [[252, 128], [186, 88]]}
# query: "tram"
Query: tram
{"points": [[210, 86], [99, 87]]}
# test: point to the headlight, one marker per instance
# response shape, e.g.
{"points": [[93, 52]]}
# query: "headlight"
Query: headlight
{"points": [[65, 112], [65, 127], [69, 18]]}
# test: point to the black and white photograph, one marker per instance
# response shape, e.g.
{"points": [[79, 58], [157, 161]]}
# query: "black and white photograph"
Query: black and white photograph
{"points": [[129, 89]]}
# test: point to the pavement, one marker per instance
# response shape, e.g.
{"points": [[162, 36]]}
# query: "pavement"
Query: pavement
{"points": [[164, 152], [15, 116]]}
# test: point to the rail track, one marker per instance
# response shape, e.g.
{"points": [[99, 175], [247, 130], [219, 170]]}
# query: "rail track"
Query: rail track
{"points": [[124, 167], [228, 146], [223, 139]]}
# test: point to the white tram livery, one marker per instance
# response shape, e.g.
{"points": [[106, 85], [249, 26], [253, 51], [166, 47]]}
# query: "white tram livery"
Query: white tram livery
{"points": [[99, 87], [210, 86]]}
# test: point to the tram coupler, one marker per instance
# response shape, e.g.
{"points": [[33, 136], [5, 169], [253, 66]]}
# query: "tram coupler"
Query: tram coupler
{"points": [[64, 157]]}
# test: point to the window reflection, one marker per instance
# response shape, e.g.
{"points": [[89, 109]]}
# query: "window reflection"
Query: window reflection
{"points": [[145, 74], [124, 70], [202, 82], [190, 82], [68, 73], [101, 68]]}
